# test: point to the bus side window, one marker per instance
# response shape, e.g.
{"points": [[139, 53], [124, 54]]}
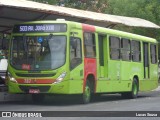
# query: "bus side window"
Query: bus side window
{"points": [[114, 48], [125, 49], [75, 52], [136, 51], [153, 53]]}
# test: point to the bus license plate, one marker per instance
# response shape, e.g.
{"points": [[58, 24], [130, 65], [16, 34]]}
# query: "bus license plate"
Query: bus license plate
{"points": [[34, 91]]}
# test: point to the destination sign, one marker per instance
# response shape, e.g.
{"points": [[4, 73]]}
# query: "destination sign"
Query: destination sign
{"points": [[40, 28]]}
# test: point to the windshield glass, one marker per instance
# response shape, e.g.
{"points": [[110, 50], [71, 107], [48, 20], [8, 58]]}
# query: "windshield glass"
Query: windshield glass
{"points": [[38, 52]]}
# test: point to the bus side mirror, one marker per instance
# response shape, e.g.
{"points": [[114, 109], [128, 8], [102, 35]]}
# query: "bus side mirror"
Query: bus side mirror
{"points": [[73, 42]]}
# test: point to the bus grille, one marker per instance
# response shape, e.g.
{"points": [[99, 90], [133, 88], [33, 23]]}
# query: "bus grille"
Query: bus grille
{"points": [[41, 88], [35, 75]]}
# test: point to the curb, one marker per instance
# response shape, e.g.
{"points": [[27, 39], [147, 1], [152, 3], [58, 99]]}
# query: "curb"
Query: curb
{"points": [[4, 96], [157, 89]]}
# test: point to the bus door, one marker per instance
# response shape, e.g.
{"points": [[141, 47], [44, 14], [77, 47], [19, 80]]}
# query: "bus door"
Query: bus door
{"points": [[102, 54], [146, 60]]}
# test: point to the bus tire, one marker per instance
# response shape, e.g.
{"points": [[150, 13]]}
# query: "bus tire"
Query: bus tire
{"points": [[133, 93], [38, 98], [86, 96]]}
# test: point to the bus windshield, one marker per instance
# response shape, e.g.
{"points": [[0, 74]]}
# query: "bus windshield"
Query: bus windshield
{"points": [[38, 52]]}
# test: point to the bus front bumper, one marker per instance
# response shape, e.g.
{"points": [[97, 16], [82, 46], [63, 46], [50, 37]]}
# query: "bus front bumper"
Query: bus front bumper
{"points": [[64, 87]]}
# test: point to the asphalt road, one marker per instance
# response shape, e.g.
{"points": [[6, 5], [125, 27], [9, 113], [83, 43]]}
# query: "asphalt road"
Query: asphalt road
{"points": [[147, 101]]}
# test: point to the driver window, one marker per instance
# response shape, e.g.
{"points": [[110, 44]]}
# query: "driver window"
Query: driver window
{"points": [[75, 52]]}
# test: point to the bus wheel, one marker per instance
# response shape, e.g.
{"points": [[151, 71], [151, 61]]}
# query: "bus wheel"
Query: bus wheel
{"points": [[134, 93], [38, 98], [86, 96]]}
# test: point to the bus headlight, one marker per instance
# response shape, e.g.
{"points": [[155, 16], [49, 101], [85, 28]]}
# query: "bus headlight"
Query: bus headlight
{"points": [[11, 78], [60, 78]]}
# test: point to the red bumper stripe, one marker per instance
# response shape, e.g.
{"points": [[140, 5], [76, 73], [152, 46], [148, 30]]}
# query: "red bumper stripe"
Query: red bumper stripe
{"points": [[35, 81]]}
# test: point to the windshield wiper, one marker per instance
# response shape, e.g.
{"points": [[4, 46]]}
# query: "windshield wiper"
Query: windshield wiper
{"points": [[25, 43], [25, 46]]}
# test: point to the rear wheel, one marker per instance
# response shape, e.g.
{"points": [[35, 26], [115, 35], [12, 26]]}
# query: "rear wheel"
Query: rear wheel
{"points": [[134, 93]]}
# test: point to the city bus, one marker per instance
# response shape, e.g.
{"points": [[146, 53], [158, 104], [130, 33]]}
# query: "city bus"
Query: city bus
{"points": [[71, 58]]}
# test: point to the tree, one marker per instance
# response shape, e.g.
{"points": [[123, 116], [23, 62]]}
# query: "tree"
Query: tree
{"points": [[145, 9], [90, 5]]}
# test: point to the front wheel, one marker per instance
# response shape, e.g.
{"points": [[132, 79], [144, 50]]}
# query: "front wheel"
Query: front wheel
{"points": [[86, 96]]}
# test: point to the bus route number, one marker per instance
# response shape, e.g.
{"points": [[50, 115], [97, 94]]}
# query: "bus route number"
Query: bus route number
{"points": [[36, 28], [26, 28], [27, 80]]}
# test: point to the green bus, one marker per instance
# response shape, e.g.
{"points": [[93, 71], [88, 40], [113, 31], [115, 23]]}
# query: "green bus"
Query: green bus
{"points": [[65, 57]]}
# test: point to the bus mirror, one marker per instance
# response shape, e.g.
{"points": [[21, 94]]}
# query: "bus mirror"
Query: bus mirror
{"points": [[5, 44], [50, 36], [73, 43]]}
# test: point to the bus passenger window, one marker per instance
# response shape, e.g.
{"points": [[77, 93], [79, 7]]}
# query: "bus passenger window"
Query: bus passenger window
{"points": [[75, 52], [89, 45], [153, 54], [136, 51], [125, 49], [114, 48]]}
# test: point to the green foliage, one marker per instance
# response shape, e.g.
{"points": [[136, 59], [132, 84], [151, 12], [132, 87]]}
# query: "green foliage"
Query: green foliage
{"points": [[145, 9], [91, 5], [52, 2]]}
